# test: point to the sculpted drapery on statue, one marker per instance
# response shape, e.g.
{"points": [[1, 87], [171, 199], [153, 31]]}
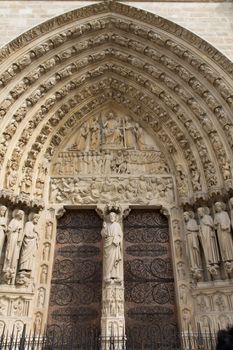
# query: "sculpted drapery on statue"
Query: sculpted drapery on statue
{"points": [[14, 239], [192, 230], [208, 237], [112, 319], [112, 130], [231, 211], [82, 137], [29, 244], [112, 249], [3, 226], [223, 226]]}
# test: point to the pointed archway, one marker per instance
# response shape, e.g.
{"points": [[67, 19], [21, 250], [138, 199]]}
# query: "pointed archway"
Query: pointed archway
{"points": [[174, 85]]}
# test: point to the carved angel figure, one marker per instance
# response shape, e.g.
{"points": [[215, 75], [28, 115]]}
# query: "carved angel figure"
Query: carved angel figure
{"points": [[129, 136], [82, 138], [112, 247], [14, 239], [139, 136]]}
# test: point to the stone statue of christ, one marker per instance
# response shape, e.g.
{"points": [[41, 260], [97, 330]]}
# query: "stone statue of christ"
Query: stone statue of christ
{"points": [[112, 249]]}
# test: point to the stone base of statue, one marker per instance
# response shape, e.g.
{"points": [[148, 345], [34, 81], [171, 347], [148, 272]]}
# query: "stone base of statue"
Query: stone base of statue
{"points": [[112, 319]]}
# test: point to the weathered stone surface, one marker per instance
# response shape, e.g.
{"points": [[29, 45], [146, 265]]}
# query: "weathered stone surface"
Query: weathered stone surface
{"points": [[122, 106]]}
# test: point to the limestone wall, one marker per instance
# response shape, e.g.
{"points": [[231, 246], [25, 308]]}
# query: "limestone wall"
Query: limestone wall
{"points": [[211, 21]]}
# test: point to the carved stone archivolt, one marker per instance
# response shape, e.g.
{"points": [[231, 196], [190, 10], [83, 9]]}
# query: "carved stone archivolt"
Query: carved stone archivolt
{"points": [[183, 90], [111, 103]]}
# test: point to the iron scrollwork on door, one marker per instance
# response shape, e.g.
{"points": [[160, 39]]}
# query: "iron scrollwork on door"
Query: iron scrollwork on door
{"points": [[75, 300], [149, 282]]}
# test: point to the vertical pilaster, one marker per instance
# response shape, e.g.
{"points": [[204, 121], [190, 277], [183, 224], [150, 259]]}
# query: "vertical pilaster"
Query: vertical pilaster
{"points": [[112, 316]]}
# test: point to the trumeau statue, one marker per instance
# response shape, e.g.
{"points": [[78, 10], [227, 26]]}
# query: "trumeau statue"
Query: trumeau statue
{"points": [[29, 244], [14, 239], [3, 226], [112, 249], [192, 230], [112, 319], [208, 237], [223, 226]]}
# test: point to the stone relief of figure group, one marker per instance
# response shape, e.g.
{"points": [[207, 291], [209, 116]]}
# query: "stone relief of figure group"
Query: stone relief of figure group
{"points": [[109, 131], [210, 241], [134, 190], [109, 162], [18, 246]]}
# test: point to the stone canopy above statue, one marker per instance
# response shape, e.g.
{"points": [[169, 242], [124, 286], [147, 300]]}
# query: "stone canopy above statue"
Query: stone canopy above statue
{"points": [[109, 143]]}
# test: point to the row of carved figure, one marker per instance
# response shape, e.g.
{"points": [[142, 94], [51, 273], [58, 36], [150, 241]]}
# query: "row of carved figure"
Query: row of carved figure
{"points": [[71, 163], [18, 245], [210, 241], [111, 130], [101, 190]]}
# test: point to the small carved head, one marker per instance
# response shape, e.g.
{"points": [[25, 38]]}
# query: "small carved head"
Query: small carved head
{"points": [[3, 210], [219, 207], [35, 218], [201, 212], [186, 216], [112, 216], [18, 214]]}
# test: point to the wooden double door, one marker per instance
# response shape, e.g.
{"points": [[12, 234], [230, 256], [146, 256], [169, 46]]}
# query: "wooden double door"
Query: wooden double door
{"points": [[75, 300]]}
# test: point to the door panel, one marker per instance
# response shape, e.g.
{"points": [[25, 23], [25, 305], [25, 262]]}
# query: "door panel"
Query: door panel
{"points": [[75, 300], [149, 283]]}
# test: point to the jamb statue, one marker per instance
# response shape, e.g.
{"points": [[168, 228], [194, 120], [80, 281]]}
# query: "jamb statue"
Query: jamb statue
{"points": [[29, 244], [3, 226], [208, 240], [14, 239], [223, 226], [192, 231]]}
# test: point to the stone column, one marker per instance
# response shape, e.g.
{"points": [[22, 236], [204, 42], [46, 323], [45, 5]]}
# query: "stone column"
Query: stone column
{"points": [[112, 318]]}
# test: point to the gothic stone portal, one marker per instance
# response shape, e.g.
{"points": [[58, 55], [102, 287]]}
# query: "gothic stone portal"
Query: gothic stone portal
{"points": [[75, 301], [149, 283]]}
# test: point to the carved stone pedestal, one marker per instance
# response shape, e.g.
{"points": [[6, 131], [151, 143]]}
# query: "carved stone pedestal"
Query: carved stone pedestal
{"points": [[112, 319]]}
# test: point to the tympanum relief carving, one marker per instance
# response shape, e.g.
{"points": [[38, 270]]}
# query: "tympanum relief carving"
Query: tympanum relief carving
{"points": [[111, 158]]}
